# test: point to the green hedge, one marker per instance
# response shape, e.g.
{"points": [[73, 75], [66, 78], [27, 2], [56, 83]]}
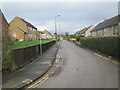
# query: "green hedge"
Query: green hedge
{"points": [[78, 37], [106, 45]]}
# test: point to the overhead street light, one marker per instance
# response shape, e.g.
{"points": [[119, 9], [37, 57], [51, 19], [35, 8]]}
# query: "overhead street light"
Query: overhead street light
{"points": [[56, 29], [55, 23], [40, 44]]}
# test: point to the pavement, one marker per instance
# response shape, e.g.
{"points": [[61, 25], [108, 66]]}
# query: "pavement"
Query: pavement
{"points": [[32, 71], [81, 68]]}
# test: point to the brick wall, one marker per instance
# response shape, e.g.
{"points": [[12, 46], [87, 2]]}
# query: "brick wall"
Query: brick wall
{"points": [[5, 31]]}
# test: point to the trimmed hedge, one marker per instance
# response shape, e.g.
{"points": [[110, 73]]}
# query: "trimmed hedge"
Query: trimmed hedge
{"points": [[106, 45], [78, 37]]}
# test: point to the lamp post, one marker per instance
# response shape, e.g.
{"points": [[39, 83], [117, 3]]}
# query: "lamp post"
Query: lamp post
{"points": [[40, 44], [56, 30]]}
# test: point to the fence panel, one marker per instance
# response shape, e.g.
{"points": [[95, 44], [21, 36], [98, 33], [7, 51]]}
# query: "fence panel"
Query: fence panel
{"points": [[25, 55]]}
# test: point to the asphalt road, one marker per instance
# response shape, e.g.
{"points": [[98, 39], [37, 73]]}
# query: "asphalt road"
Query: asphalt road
{"points": [[81, 68]]}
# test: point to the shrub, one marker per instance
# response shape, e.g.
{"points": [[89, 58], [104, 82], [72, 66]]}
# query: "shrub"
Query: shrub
{"points": [[72, 36], [106, 45], [78, 37]]}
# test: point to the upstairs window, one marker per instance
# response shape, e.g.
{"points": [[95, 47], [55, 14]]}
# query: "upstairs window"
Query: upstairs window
{"points": [[14, 34]]}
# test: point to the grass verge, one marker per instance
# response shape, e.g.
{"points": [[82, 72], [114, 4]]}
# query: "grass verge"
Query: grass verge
{"points": [[7, 61]]}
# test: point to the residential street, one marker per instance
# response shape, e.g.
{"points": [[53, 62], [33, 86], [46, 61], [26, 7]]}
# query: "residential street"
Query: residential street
{"points": [[63, 44], [81, 68]]}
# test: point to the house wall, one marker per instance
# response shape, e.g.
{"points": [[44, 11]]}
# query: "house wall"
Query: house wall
{"points": [[38, 35], [6, 40], [108, 31], [119, 28], [14, 24], [43, 36], [32, 33], [17, 34], [47, 34], [87, 33]]}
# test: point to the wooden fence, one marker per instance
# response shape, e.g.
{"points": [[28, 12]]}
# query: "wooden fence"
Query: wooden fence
{"points": [[25, 55]]}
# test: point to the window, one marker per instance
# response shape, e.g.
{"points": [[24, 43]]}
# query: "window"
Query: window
{"points": [[14, 34], [30, 28], [115, 32], [102, 32], [33, 29]]}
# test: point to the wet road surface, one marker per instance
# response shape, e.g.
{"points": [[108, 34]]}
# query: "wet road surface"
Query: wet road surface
{"points": [[81, 68]]}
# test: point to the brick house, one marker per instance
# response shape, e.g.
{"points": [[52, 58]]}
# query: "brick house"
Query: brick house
{"points": [[21, 30], [110, 27], [38, 35], [5, 28], [46, 35]]}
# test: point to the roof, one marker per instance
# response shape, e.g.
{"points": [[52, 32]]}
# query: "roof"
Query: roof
{"points": [[110, 22], [83, 30], [41, 32], [46, 31], [29, 24], [2, 15]]}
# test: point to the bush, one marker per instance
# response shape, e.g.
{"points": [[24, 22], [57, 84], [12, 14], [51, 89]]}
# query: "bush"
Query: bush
{"points": [[78, 37], [72, 36], [106, 45]]}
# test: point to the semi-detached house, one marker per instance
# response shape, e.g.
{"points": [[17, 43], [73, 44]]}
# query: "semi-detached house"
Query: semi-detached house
{"points": [[85, 31], [21, 30], [110, 27], [46, 35]]}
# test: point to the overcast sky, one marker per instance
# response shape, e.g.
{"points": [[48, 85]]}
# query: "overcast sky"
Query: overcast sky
{"points": [[74, 15]]}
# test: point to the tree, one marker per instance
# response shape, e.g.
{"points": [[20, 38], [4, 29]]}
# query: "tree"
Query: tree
{"points": [[67, 34]]}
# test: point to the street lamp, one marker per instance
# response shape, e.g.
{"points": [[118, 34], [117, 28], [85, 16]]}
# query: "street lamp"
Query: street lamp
{"points": [[40, 44], [56, 29]]}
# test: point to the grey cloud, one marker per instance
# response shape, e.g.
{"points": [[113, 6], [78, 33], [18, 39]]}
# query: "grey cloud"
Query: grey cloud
{"points": [[74, 15]]}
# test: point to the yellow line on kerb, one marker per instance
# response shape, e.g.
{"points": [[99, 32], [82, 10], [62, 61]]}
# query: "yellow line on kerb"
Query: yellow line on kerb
{"points": [[39, 82], [108, 59], [44, 78]]}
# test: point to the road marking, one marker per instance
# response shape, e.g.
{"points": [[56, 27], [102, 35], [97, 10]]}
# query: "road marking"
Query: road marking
{"points": [[27, 81], [39, 82], [57, 61], [108, 59]]}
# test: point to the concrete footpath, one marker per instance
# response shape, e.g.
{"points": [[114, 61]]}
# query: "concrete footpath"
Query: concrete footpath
{"points": [[32, 71]]}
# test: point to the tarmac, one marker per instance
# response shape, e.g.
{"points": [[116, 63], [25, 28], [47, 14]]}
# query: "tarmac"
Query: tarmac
{"points": [[30, 72]]}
